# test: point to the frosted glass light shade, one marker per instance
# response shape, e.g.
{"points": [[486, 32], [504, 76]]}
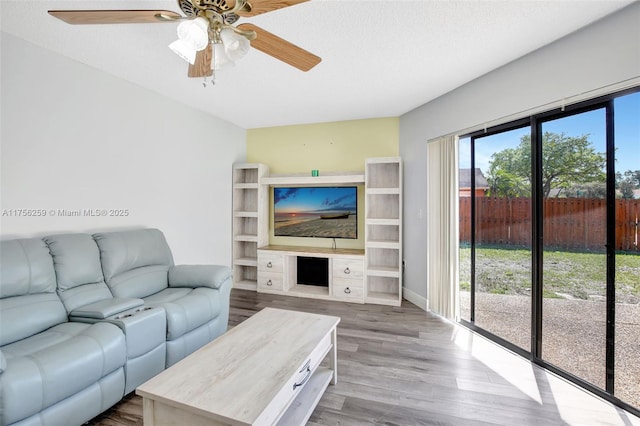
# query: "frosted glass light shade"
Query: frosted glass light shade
{"points": [[235, 45], [195, 33], [220, 56], [184, 50], [193, 36]]}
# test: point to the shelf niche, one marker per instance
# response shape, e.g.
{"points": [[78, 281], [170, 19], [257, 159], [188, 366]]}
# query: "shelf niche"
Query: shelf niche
{"points": [[383, 231], [250, 226]]}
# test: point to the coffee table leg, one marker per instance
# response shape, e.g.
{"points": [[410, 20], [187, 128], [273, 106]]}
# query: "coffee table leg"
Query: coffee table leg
{"points": [[334, 356], [148, 413]]}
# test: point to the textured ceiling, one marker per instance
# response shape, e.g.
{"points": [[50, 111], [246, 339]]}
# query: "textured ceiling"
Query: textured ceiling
{"points": [[379, 58]]}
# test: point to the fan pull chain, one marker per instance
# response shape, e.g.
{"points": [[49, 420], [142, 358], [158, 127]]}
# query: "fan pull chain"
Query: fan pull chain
{"points": [[213, 80]]}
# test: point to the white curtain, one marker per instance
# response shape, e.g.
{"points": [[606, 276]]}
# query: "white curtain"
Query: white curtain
{"points": [[442, 227]]}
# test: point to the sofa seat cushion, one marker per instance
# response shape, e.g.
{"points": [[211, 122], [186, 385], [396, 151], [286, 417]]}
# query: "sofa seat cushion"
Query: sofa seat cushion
{"points": [[187, 309], [50, 366]]}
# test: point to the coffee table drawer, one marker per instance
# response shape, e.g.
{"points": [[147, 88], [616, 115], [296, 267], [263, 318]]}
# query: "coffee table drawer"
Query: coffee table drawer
{"points": [[296, 384]]}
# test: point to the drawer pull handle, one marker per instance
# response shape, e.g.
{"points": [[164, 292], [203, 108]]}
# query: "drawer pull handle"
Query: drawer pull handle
{"points": [[269, 283], [347, 290], [347, 270], [307, 368], [269, 265]]}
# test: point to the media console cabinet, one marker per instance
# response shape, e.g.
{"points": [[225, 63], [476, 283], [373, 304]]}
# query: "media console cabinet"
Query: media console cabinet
{"points": [[372, 274], [344, 272]]}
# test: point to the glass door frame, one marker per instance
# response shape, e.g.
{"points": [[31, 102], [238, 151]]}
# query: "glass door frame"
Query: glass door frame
{"points": [[538, 240], [535, 355], [514, 125]]}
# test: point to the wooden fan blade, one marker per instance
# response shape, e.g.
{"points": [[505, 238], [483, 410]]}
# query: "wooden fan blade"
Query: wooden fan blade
{"points": [[263, 6], [281, 49], [202, 65], [84, 17]]}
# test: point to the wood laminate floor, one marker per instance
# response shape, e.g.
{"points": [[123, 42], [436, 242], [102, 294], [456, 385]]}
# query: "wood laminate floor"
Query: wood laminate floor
{"points": [[403, 366]]}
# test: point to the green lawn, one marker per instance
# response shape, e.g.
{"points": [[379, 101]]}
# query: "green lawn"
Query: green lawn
{"points": [[566, 274]]}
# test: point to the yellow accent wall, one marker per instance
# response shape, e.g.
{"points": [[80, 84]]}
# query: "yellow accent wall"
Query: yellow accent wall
{"points": [[332, 147], [328, 147]]}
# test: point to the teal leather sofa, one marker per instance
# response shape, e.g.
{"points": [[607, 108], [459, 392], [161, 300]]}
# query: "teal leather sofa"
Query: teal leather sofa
{"points": [[85, 319]]}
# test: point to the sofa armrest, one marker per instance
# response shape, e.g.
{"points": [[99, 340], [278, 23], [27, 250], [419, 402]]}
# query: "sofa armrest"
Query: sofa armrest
{"points": [[212, 276], [3, 362], [105, 308]]}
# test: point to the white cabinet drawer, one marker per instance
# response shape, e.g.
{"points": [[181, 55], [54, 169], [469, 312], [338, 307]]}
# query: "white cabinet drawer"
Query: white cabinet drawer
{"points": [[269, 262], [351, 290], [270, 281], [348, 268], [295, 385]]}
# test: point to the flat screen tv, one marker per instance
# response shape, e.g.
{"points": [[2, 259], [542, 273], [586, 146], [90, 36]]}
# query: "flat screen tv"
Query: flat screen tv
{"points": [[317, 212]]}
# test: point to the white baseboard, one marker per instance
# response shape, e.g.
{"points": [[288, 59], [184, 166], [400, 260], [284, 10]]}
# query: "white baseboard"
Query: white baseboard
{"points": [[415, 298]]}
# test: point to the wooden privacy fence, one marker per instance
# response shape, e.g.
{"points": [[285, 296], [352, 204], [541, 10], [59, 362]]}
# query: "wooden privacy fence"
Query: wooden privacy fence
{"points": [[569, 223]]}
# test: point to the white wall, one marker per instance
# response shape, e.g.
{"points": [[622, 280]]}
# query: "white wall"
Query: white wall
{"points": [[73, 137], [604, 53]]}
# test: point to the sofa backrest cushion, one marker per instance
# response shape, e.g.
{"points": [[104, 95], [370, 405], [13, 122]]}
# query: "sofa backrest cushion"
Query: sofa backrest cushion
{"points": [[76, 260], [134, 263], [28, 300]]}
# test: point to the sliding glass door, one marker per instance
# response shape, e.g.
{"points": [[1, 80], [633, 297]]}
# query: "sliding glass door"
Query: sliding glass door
{"points": [[574, 258], [502, 243], [550, 241]]}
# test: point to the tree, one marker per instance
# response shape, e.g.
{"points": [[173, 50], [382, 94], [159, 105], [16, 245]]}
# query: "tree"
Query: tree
{"points": [[626, 189], [567, 161], [509, 172], [587, 190], [627, 182]]}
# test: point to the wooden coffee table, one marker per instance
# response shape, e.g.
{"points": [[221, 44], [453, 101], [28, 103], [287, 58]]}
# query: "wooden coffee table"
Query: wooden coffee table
{"points": [[264, 371]]}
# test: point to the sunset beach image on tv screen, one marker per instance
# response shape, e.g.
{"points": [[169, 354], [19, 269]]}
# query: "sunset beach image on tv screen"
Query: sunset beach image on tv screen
{"points": [[320, 212]]}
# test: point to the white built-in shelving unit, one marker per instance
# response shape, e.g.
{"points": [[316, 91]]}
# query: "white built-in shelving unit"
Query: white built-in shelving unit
{"points": [[383, 231], [277, 272], [372, 275], [250, 222]]}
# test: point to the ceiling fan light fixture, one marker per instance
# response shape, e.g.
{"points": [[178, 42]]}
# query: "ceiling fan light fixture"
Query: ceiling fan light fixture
{"points": [[236, 46], [200, 23], [193, 36], [184, 50], [195, 32], [220, 57]]}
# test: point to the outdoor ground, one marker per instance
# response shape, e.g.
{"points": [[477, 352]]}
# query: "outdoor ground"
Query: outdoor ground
{"points": [[572, 340], [573, 310]]}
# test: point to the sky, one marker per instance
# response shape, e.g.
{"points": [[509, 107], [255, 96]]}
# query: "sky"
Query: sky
{"points": [[310, 199], [626, 127]]}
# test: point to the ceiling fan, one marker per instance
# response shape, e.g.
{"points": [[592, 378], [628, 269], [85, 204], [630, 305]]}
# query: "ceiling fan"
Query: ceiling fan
{"points": [[207, 35]]}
